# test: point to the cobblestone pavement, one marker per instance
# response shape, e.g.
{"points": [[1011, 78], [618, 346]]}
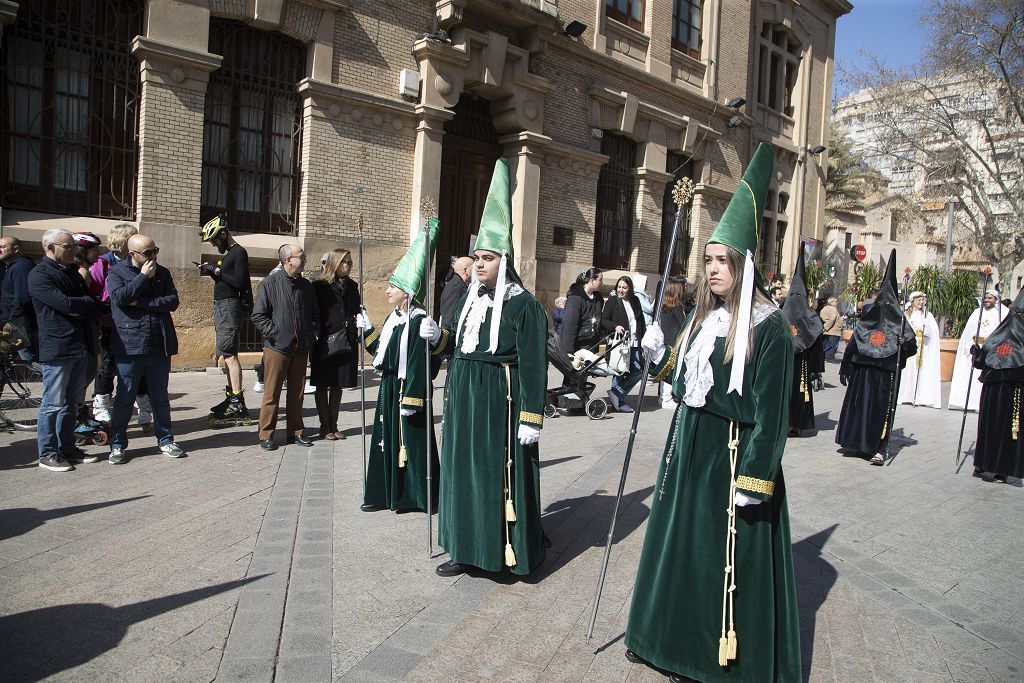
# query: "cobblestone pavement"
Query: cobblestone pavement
{"points": [[239, 564]]}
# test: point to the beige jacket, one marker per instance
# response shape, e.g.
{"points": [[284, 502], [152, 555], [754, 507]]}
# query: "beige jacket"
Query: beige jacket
{"points": [[831, 320]]}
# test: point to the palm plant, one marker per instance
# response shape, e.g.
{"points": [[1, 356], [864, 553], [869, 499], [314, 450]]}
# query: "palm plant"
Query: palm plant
{"points": [[815, 275], [955, 298], [867, 280]]}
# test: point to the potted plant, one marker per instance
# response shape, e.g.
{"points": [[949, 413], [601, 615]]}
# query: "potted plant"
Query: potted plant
{"points": [[868, 278]]}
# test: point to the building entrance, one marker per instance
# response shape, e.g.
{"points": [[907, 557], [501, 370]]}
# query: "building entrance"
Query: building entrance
{"points": [[469, 149]]}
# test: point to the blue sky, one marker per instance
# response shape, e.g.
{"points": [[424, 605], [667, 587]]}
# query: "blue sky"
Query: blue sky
{"points": [[888, 28]]}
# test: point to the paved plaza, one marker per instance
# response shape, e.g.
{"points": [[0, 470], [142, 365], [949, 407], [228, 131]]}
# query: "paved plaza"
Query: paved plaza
{"points": [[241, 564]]}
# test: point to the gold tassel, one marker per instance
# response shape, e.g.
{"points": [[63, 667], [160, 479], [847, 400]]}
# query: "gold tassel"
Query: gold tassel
{"points": [[732, 645], [1015, 424], [510, 511], [919, 334], [510, 556], [402, 456], [723, 651]]}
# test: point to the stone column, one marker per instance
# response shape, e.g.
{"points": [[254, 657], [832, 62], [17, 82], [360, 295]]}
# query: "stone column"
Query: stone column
{"points": [[525, 154], [646, 256], [426, 170]]}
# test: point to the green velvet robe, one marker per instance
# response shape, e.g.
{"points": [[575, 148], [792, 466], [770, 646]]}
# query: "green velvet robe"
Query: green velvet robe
{"points": [[676, 617], [387, 484], [477, 432]]}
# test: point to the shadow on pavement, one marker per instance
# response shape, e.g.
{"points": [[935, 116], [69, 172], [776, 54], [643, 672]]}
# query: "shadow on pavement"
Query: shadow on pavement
{"points": [[814, 579], [557, 461], [17, 521], [20, 454], [43, 642], [824, 423]]}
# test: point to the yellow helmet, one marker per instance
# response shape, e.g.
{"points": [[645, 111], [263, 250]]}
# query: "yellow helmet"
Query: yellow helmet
{"points": [[213, 228]]}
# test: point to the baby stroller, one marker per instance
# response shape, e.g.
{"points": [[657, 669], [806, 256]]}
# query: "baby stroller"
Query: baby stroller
{"points": [[578, 368]]}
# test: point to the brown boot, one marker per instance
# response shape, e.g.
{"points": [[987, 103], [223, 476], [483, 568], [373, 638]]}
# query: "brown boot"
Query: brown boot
{"points": [[323, 412]]}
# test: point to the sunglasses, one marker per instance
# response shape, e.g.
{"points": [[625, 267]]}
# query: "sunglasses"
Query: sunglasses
{"points": [[149, 253]]}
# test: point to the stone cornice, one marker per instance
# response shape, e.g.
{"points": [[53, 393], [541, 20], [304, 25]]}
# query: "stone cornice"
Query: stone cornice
{"points": [[525, 138], [147, 48], [649, 175], [425, 48], [568, 159], [584, 52], [8, 12], [712, 191], [309, 87]]}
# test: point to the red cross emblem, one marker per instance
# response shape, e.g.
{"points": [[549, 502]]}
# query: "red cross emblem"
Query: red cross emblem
{"points": [[1004, 349], [877, 338]]}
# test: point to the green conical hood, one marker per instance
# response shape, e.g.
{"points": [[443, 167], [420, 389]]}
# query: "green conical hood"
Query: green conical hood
{"points": [[408, 275], [495, 232], [740, 225]]}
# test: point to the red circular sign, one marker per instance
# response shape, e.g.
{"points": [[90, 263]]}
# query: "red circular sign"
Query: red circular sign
{"points": [[858, 252]]}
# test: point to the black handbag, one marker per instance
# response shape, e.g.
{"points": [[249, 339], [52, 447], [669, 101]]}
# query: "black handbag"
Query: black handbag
{"points": [[335, 344]]}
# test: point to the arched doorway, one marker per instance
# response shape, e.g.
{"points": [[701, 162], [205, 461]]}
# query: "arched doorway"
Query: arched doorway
{"points": [[469, 149]]}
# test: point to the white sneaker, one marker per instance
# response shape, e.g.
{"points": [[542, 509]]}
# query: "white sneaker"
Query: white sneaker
{"points": [[173, 450], [101, 407], [613, 400], [309, 388], [257, 387], [668, 403]]}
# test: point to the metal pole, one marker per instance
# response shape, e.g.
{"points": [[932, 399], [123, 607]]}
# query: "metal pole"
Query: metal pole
{"points": [[636, 419], [429, 384], [970, 375], [950, 206], [362, 354]]}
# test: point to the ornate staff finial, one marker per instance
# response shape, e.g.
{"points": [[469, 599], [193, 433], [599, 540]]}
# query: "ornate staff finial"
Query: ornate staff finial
{"points": [[360, 223], [428, 208], [682, 192]]}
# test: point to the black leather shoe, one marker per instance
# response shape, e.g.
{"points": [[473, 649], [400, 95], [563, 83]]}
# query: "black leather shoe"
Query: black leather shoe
{"points": [[678, 678], [634, 657], [367, 507], [268, 445], [300, 440], [450, 568]]}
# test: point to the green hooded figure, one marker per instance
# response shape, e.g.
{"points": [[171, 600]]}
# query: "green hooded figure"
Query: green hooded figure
{"points": [[489, 508], [396, 470], [715, 594]]}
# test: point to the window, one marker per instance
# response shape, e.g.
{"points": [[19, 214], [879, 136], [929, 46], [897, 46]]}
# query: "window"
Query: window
{"points": [[686, 25], [629, 12], [616, 196], [69, 100], [774, 223], [779, 63], [679, 167], [252, 129], [895, 220]]}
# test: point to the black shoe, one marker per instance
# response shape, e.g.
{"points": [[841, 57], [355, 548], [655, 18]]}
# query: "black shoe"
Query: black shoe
{"points": [[268, 445], [300, 440], [369, 507], [450, 568], [634, 657]]}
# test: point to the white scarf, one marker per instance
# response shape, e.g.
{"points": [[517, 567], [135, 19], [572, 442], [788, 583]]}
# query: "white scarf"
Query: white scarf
{"points": [[394, 320]]}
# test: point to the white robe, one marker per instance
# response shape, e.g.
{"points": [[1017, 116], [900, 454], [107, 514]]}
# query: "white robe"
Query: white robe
{"points": [[990, 320], [925, 380]]}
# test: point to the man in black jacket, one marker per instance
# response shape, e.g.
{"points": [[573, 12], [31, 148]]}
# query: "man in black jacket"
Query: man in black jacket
{"points": [[455, 289], [287, 315], [142, 341], [15, 303], [61, 300]]}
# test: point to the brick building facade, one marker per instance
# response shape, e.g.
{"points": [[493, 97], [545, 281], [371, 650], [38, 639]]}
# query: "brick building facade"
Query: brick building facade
{"points": [[288, 115]]}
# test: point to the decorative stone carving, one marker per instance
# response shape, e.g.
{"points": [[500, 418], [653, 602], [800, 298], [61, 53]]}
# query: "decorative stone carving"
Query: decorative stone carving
{"points": [[300, 21], [443, 84], [449, 13]]}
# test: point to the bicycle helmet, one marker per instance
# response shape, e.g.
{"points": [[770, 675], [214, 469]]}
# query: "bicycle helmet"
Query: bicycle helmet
{"points": [[85, 239], [213, 228]]}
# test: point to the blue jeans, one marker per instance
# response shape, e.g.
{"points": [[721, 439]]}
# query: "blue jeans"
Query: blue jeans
{"points": [[63, 384], [131, 371], [624, 384]]}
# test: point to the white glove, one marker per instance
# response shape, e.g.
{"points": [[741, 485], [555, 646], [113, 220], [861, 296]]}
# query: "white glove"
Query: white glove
{"points": [[408, 412], [429, 330], [363, 321], [653, 342], [528, 435], [743, 500]]}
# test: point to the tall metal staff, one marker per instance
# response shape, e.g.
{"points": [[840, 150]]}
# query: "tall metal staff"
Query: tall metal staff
{"points": [[890, 416], [428, 379], [970, 375], [920, 351], [362, 353], [682, 193]]}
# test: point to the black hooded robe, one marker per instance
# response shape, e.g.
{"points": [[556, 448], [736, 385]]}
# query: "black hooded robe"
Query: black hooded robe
{"points": [[809, 362], [872, 385], [997, 451]]}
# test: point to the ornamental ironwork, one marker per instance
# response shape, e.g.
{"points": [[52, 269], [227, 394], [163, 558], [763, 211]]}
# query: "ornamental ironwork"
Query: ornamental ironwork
{"points": [[472, 119], [616, 198], [252, 129], [69, 103], [680, 167]]}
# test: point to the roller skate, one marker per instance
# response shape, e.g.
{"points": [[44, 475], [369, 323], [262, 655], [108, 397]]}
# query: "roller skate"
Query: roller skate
{"points": [[88, 430], [219, 409], [145, 419], [235, 415]]}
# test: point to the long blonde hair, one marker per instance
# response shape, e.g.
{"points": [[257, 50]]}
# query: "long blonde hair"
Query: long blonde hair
{"points": [[707, 301], [334, 259]]}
